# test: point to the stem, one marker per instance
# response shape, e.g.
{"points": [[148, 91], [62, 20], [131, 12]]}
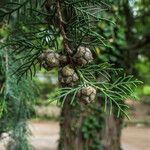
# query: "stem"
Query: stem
{"points": [[62, 29]]}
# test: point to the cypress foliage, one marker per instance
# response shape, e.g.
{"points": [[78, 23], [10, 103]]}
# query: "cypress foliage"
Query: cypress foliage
{"points": [[16, 104], [63, 26]]}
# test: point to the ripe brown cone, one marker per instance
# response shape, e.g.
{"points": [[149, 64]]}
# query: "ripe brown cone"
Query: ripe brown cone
{"points": [[86, 95], [83, 56], [49, 59], [67, 76]]}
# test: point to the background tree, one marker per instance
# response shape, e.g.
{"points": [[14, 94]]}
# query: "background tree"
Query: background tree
{"points": [[16, 100]]}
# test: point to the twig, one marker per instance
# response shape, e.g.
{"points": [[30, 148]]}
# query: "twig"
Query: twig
{"points": [[62, 29]]}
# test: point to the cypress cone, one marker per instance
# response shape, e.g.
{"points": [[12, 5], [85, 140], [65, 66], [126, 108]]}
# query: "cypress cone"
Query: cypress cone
{"points": [[83, 56], [49, 59], [86, 95], [67, 76]]}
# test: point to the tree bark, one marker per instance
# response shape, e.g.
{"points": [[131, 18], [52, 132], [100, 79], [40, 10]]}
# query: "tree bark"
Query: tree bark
{"points": [[112, 133], [103, 132]]}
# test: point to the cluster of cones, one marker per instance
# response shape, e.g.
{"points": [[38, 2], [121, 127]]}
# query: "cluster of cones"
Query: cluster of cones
{"points": [[67, 75]]}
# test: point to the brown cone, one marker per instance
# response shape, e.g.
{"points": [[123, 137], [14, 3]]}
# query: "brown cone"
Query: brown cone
{"points": [[83, 56], [86, 95], [49, 59], [67, 76]]}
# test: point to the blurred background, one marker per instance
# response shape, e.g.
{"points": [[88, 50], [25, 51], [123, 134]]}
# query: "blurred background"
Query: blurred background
{"points": [[128, 48]]}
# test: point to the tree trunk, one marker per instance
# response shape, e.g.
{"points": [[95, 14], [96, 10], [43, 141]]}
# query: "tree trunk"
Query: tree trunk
{"points": [[112, 133], [88, 128], [131, 54]]}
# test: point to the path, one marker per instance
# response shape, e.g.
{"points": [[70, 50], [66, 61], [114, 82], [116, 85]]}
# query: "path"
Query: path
{"points": [[46, 135], [136, 138]]}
